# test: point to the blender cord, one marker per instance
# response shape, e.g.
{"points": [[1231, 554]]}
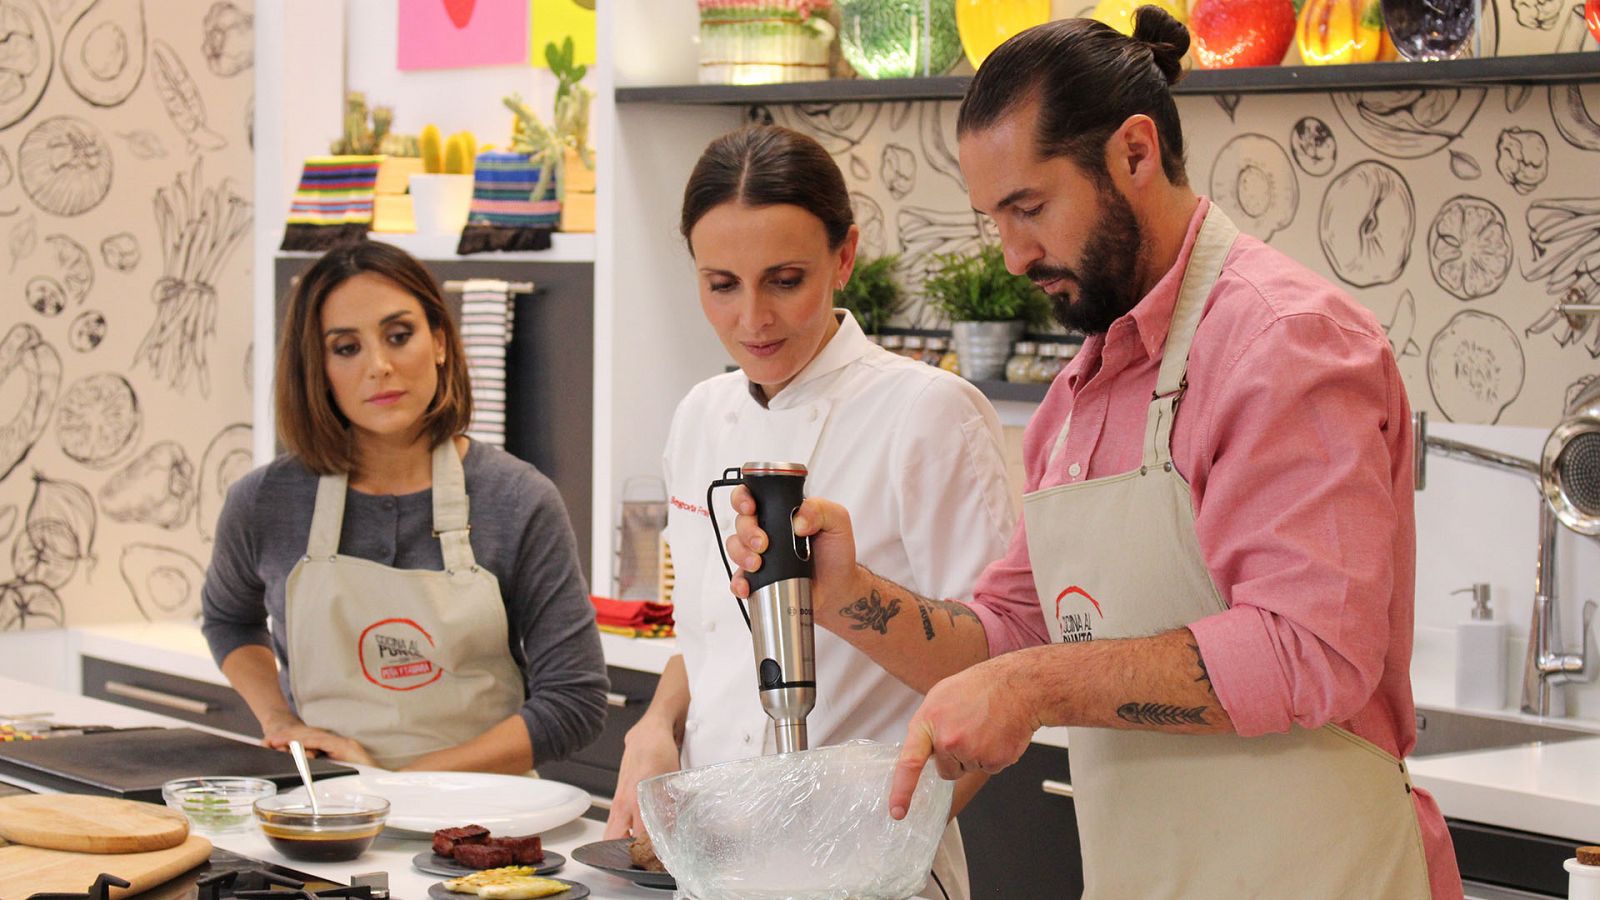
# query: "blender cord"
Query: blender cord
{"points": [[939, 884]]}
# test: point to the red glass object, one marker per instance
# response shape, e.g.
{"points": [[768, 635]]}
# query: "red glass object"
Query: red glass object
{"points": [[1591, 15], [1231, 34]]}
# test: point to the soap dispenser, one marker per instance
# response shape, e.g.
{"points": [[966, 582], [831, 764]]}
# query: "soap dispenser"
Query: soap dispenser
{"points": [[1480, 654]]}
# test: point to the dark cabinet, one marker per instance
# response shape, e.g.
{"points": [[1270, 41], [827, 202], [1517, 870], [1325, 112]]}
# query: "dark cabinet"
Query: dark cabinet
{"points": [[213, 705], [1021, 831]]}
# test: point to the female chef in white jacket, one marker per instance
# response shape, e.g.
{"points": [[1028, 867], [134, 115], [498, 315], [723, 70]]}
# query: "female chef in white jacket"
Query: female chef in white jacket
{"points": [[913, 451]]}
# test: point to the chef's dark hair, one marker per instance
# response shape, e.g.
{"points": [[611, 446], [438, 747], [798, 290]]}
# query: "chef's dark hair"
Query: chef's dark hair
{"points": [[768, 165], [1089, 78], [310, 423]]}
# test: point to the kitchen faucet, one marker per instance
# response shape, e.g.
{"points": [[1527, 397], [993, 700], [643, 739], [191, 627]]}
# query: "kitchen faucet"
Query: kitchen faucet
{"points": [[1547, 665]]}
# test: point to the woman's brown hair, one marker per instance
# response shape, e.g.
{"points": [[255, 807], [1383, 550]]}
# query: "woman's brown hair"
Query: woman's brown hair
{"points": [[309, 422], [768, 165]]}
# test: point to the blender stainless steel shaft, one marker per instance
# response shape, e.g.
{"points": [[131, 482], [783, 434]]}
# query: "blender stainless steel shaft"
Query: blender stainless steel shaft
{"points": [[780, 618]]}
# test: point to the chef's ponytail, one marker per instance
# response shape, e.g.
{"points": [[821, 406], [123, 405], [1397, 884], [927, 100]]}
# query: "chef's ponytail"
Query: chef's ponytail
{"points": [[1166, 37], [1087, 78]]}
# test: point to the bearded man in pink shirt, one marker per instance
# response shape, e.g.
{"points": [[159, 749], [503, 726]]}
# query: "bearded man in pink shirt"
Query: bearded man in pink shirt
{"points": [[1212, 583]]}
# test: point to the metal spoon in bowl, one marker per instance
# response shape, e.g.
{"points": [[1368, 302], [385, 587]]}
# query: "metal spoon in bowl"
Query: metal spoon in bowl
{"points": [[299, 753]]}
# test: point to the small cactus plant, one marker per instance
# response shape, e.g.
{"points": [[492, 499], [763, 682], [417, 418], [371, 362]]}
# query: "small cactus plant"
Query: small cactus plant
{"points": [[430, 143], [363, 137], [455, 155]]}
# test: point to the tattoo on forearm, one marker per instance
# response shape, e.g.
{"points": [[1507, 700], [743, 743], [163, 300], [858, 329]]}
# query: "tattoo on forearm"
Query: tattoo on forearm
{"points": [[951, 608], [1201, 662], [871, 612], [1162, 714]]}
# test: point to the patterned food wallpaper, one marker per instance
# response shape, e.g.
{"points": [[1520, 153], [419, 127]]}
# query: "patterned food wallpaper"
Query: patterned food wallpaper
{"points": [[125, 319], [1458, 216]]}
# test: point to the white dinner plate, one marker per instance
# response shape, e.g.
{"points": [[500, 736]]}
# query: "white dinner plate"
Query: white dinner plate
{"points": [[424, 802]]}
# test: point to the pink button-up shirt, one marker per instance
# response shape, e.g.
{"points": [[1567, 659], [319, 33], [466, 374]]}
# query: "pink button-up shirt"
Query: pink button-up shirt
{"points": [[1295, 436]]}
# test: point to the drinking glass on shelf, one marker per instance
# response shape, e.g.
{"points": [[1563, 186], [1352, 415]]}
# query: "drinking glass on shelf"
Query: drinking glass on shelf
{"points": [[1431, 29]]}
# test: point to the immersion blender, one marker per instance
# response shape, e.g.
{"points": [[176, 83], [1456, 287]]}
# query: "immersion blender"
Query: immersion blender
{"points": [[779, 615]]}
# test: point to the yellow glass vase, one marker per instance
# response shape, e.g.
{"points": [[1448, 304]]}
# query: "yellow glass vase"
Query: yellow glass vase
{"points": [[985, 24]]}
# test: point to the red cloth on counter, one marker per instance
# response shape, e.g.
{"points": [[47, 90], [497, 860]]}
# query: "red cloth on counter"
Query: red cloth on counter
{"points": [[630, 613]]}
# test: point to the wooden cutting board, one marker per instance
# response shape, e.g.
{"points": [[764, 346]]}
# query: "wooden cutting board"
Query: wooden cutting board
{"points": [[83, 824], [25, 871]]}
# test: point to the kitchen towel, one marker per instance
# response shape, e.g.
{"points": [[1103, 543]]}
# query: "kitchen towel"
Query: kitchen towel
{"points": [[634, 618], [487, 318]]}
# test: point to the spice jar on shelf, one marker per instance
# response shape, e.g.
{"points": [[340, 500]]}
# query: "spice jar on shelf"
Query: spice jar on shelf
{"points": [[1019, 368], [934, 351], [1050, 362], [912, 347]]}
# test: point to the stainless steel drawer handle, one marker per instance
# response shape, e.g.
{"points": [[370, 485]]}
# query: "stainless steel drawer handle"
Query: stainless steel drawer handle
{"points": [[159, 698], [1057, 788], [615, 699]]}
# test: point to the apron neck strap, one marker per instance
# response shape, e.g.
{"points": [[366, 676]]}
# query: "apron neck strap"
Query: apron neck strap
{"points": [[327, 519], [1210, 251], [450, 507]]}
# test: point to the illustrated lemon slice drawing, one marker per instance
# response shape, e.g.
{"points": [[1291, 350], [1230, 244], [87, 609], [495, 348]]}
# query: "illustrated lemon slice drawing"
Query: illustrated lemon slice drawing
{"points": [[1469, 248]]}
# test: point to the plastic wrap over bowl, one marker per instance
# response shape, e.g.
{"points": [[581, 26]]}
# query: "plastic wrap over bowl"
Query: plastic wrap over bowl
{"points": [[796, 826]]}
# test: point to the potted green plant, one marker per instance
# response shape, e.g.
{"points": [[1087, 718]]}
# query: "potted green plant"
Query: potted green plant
{"points": [[988, 308], [871, 294]]}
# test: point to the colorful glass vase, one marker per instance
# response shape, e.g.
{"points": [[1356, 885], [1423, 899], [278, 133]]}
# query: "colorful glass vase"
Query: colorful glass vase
{"points": [[898, 38], [985, 24]]}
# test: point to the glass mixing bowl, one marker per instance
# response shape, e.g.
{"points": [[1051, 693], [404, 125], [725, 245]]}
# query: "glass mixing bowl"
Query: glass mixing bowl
{"points": [[341, 830], [217, 804], [807, 826]]}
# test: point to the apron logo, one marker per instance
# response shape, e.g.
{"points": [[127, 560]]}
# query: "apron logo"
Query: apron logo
{"points": [[393, 655], [1076, 624]]}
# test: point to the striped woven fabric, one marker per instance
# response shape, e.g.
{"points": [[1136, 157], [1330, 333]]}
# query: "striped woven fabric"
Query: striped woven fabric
{"points": [[487, 315], [335, 190], [502, 189]]}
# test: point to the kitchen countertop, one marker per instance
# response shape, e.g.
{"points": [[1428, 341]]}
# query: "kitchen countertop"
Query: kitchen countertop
{"points": [[1552, 789], [387, 854]]}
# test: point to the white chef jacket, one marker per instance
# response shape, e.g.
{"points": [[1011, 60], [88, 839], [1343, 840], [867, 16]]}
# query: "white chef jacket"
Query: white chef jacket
{"points": [[913, 452]]}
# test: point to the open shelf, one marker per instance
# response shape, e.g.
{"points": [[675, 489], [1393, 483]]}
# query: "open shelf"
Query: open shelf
{"points": [[1533, 69], [565, 247], [1015, 393]]}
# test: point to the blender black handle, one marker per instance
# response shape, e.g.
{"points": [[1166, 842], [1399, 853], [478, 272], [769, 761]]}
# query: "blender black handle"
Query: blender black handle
{"points": [[730, 478], [778, 495]]}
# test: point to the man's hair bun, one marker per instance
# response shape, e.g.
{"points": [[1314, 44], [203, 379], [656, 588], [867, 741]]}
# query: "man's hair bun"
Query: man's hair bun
{"points": [[1166, 37]]}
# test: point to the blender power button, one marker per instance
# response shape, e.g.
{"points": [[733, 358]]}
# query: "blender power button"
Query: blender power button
{"points": [[771, 674]]}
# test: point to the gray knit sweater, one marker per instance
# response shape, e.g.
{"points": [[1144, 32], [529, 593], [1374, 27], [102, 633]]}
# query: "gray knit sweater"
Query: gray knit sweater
{"points": [[520, 532]]}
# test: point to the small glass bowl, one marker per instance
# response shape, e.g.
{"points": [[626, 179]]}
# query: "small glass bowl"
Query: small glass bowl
{"points": [[341, 831], [218, 804]]}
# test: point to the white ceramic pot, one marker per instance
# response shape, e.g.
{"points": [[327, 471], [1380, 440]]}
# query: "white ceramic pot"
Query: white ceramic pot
{"points": [[440, 202], [982, 348]]}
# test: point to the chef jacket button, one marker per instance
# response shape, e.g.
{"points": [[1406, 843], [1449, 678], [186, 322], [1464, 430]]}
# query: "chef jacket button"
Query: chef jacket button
{"points": [[747, 738], [812, 416], [1074, 469], [711, 626], [692, 725]]}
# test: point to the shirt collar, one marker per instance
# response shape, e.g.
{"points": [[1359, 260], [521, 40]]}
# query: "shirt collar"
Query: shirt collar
{"points": [[847, 345], [1152, 315]]}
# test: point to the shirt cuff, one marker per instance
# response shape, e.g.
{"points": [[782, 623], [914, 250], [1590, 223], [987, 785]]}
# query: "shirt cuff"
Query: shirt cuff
{"points": [[1242, 663]]}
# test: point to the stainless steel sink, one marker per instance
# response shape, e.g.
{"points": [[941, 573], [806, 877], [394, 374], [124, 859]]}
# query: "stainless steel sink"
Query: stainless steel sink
{"points": [[1441, 731]]}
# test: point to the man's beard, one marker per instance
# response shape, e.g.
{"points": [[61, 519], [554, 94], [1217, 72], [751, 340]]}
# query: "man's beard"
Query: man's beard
{"points": [[1106, 288]]}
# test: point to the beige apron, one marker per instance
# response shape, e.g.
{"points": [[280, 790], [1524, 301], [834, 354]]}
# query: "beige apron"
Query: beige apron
{"points": [[405, 661], [1310, 813]]}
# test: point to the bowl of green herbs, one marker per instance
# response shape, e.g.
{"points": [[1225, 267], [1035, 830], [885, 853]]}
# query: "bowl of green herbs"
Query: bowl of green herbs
{"points": [[217, 804]]}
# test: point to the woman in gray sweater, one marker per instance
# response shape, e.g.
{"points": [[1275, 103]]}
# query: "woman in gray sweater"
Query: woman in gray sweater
{"points": [[356, 599]]}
